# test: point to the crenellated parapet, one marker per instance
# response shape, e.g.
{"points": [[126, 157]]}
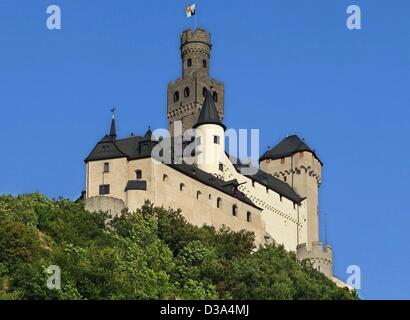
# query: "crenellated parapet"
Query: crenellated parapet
{"points": [[186, 94], [320, 255]]}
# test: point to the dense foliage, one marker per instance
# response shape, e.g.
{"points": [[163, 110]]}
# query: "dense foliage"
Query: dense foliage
{"points": [[150, 254]]}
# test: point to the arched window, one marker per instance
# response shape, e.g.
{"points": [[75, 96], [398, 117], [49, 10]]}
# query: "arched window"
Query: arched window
{"points": [[215, 95], [181, 187], [189, 62], [176, 96], [138, 174], [204, 63], [198, 195], [235, 210], [204, 90], [249, 216], [165, 178], [219, 203], [186, 92]]}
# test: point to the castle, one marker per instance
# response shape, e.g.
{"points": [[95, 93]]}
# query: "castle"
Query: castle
{"points": [[279, 202]]}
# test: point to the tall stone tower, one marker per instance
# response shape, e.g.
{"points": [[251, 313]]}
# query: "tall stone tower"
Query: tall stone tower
{"points": [[294, 162], [186, 95]]}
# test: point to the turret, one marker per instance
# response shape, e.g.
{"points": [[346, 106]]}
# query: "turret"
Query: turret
{"points": [[319, 255], [211, 135], [294, 162], [186, 95], [195, 52]]}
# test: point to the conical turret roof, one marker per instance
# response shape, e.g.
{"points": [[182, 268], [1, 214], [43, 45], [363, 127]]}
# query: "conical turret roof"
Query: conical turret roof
{"points": [[209, 114]]}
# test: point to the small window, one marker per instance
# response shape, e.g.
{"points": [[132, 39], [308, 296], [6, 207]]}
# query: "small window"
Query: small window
{"points": [[235, 210], [221, 167], [253, 183], [204, 63], [198, 195], [219, 203], [216, 140], [189, 63], [104, 189], [181, 187], [186, 92], [285, 178], [210, 197], [280, 198], [267, 190], [106, 167], [249, 216], [165, 178], [138, 174], [215, 95], [176, 96]]}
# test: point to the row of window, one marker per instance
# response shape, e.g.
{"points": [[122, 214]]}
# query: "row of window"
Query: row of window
{"points": [[187, 93], [189, 63], [138, 173], [218, 201]]}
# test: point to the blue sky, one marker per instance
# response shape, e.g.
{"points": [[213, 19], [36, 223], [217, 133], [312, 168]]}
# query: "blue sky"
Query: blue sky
{"points": [[288, 66]]}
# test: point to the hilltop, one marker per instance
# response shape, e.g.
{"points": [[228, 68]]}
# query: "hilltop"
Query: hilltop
{"points": [[149, 254]]}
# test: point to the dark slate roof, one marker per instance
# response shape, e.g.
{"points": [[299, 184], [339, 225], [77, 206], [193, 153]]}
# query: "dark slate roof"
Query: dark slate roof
{"points": [[227, 187], [113, 130], [136, 185], [208, 114], [137, 147], [271, 182], [286, 148], [132, 148]]}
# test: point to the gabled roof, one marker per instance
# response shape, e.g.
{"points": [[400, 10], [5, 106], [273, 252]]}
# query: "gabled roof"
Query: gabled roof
{"points": [[227, 187], [209, 114], [270, 182], [286, 148], [133, 147]]}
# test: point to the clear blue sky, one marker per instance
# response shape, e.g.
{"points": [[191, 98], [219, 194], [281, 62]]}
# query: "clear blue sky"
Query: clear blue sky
{"points": [[287, 66]]}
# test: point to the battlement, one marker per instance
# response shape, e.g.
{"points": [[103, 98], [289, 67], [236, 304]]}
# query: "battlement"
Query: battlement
{"points": [[319, 254], [199, 35]]}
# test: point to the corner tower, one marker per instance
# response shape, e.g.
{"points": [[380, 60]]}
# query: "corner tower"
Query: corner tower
{"points": [[186, 95], [295, 163]]}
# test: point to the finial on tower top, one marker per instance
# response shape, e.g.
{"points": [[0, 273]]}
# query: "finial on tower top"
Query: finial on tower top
{"points": [[113, 130], [113, 112]]}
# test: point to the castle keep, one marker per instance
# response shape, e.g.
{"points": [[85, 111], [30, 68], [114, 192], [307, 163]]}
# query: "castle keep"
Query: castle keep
{"points": [[279, 202]]}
